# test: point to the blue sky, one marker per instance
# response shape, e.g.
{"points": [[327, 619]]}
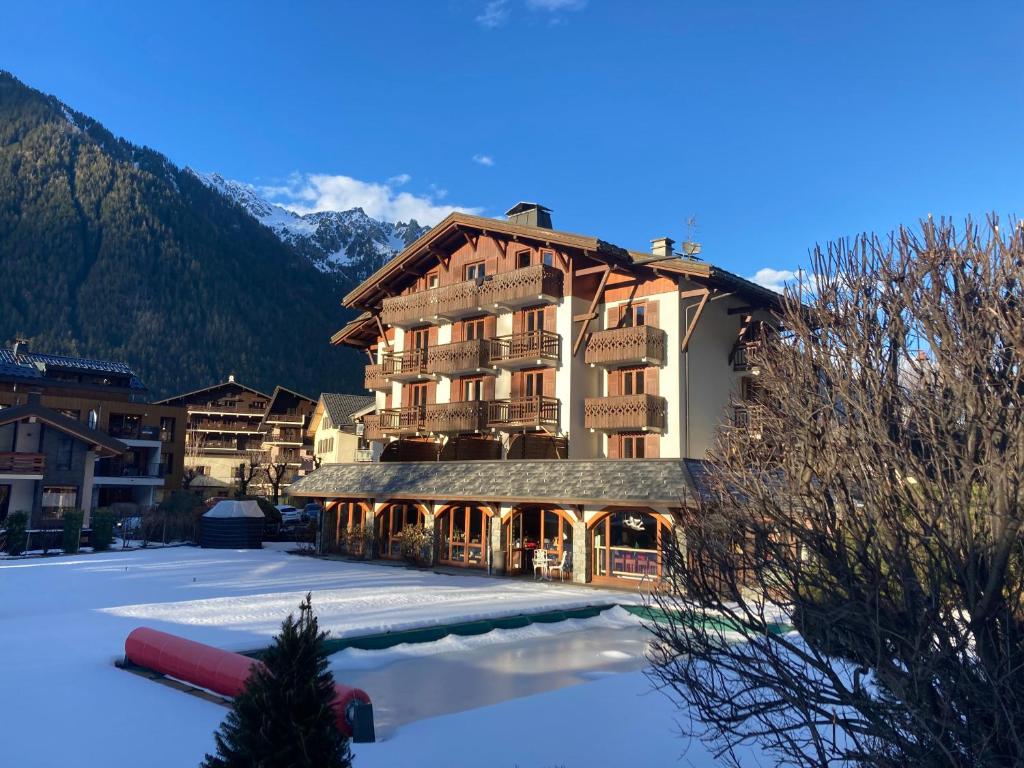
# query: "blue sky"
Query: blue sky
{"points": [[776, 125]]}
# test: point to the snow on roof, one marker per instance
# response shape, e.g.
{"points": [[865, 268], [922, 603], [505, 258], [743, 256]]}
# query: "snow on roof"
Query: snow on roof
{"points": [[235, 508]]}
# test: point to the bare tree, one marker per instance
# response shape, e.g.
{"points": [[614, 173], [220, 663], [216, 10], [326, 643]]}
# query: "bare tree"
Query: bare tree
{"points": [[874, 503], [277, 471], [195, 443], [251, 470]]}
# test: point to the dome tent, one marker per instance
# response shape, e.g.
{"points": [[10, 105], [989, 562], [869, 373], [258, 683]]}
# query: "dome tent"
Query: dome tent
{"points": [[232, 524]]}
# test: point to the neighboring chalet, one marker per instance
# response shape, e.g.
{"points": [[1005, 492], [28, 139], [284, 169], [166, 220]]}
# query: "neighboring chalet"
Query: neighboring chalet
{"points": [[562, 389], [285, 427], [337, 431], [125, 453]]}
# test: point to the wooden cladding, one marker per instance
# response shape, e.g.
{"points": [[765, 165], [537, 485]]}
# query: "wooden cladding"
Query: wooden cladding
{"points": [[407, 365], [374, 377], [518, 287], [639, 345], [408, 420], [459, 357], [466, 416], [526, 349], [371, 427], [644, 412], [22, 463], [536, 411]]}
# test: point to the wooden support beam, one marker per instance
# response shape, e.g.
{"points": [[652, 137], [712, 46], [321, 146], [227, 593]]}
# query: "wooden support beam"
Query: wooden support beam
{"points": [[469, 238], [564, 258], [693, 294], [592, 270], [693, 323], [592, 311], [369, 355], [583, 318], [499, 244], [383, 334]]}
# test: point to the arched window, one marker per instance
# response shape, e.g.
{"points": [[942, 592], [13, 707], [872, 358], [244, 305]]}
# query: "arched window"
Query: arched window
{"points": [[346, 537], [391, 520], [627, 544], [463, 534]]}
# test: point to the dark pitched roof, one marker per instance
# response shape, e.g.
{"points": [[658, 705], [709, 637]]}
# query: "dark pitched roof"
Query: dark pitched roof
{"points": [[33, 365], [663, 482], [227, 383], [65, 424], [340, 406]]}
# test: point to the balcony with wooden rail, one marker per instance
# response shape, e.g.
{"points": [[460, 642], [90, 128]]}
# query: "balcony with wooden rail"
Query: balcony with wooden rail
{"points": [[410, 365], [523, 412], [371, 427], [635, 345], [374, 378], [626, 413], [526, 350], [409, 420], [453, 418], [537, 284], [460, 357], [17, 463]]}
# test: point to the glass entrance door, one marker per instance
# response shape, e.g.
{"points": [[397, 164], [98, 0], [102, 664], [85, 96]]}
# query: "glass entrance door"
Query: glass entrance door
{"points": [[533, 528]]}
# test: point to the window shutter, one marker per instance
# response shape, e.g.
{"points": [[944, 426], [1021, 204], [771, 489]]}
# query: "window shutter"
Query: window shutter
{"points": [[387, 399], [488, 387], [652, 447], [431, 391], [490, 327], [491, 265], [613, 317], [549, 382], [614, 383], [652, 314], [406, 395], [458, 331], [549, 318], [432, 336], [517, 322], [651, 380], [517, 385], [614, 442]]}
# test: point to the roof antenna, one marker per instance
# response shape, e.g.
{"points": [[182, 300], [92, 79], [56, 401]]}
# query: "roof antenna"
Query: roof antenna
{"points": [[690, 246]]}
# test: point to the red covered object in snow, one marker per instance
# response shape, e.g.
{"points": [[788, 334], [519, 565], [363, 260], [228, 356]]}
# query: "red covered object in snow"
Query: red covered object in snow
{"points": [[225, 673]]}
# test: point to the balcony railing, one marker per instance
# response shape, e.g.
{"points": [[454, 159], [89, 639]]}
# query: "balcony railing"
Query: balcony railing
{"points": [[403, 421], [469, 416], [740, 417], [362, 454], [375, 378], [537, 411], [529, 285], [644, 413], [406, 366], [371, 427], [459, 357], [246, 427], [22, 463], [741, 356], [107, 468], [136, 432], [636, 345], [521, 350]]}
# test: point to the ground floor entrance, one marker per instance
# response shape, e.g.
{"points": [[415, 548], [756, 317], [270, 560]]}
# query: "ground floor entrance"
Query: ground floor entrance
{"points": [[533, 528], [390, 522], [345, 531], [627, 544], [462, 533]]}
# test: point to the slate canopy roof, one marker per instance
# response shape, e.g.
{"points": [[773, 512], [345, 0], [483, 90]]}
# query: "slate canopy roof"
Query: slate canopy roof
{"points": [[653, 482]]}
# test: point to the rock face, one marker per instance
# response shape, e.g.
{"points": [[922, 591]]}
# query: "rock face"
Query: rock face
{"points": [[347, 244]]}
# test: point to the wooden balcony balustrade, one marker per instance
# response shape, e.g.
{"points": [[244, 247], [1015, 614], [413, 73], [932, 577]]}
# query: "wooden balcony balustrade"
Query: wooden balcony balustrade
{"points": [[536, 411], [374, 377], [522, 350], [467, 416], [371, 427], [643, 413], [403, 421], [406, 366], [740, 417], [459, 357], [22, 463], [636, 345], [519, 287], [740, 356]]}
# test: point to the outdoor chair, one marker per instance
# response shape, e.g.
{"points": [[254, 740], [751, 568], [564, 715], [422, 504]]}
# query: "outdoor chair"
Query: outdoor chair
{"points": [[540, 563], [562, 566]]}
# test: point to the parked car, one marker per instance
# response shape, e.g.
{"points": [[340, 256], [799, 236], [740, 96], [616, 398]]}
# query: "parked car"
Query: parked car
{"points": [[289, 515], [312, 511]]}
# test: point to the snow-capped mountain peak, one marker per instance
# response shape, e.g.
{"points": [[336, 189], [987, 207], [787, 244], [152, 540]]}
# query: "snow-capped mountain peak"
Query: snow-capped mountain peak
{"points": [[348, 243]]}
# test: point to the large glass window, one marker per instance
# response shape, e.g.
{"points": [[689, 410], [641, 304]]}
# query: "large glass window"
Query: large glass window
{"points": [[627, 545], [57, 499], [390, 523], [532, 528], [463, 536]]}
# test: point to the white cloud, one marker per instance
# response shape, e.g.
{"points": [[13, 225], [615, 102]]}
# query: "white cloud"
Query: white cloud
{"points": [[555, 6], [486, 160], [312, 192], [494, 14], [773, 279], [400, 180]]}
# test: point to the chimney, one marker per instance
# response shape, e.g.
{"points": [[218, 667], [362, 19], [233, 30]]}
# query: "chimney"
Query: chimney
{"points": [[529, 215], [20, 347], [662, 246]]}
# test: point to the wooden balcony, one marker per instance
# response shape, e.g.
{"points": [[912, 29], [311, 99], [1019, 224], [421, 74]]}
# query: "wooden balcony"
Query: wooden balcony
{"points": [[741, 357], [626, 413], [538, 284], [637, 345], [525, 350], [460, 357], [371, 427], [403, 421], [409, 365], [375, 378], [22, 463], [469, 416], [523, 412]]}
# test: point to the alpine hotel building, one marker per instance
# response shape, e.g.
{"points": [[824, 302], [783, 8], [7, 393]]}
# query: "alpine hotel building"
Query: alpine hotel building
{"points": [[540, 389]]}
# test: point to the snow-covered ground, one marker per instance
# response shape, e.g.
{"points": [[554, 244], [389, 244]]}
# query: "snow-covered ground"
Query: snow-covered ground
{"points": [[63, 621]]}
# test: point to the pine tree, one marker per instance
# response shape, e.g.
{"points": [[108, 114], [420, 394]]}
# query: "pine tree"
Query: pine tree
{"points": [[283, 718]]}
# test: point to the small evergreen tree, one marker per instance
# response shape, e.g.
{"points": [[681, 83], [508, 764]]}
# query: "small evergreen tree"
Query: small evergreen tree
{"points": [[72, 531], [102, 530], [17, 533], [283, 718]]}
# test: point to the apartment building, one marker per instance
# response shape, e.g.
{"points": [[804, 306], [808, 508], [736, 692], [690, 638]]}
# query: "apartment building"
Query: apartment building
{"points": [[287, 440], [111, 405], [336, 429], [538, 389]]}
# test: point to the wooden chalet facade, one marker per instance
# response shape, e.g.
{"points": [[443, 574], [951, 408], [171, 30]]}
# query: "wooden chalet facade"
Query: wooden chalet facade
{"points": [[493, 340]]}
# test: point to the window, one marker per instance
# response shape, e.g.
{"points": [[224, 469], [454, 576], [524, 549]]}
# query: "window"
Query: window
{"points": [[433, 280], [472, 389], [418, 396], [167, 428], [633, 381], [57, 499], [93, 419], [522, 259], [473, 329], [533, 319], [419, 338], [631, 446], [627, 545], [64, 450], [533, 383], [547, 258], [633, 315], [166, 464], [475, 271]]}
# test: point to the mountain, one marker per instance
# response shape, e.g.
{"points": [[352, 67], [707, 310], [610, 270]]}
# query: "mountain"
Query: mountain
{"points": [[109, 250], [348, 244]]}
